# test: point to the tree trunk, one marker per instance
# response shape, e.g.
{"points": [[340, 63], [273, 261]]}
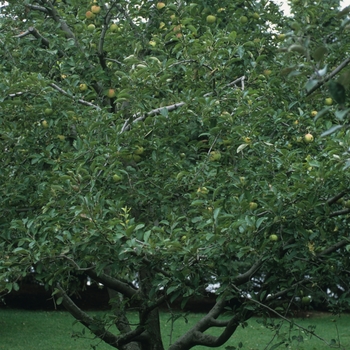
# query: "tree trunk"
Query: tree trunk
{"points": [[122, 322]]}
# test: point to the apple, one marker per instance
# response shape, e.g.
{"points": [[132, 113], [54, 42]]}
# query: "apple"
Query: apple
{"points": [[89, 15], [183, 238], [202, 190], [113, 27], [95, 9], [110, 93], [45, 124], [172, 17], [296, 122], [267, 72], [243, 19], [347, 204], [328, 101], [273, 238], [182, 155], [91, 27], [281, 37], [242, 180], [116, 178], [247, 139], [255, 15], [306, 300], [308, 138], [61, 137], [214, 156], [83, 87], [152, 43], [139, 150], [313, 113], [253, 205], [211, 19], [160, 5], [48, 111]]}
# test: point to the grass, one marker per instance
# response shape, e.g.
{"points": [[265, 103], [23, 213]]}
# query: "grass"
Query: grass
{"points": [[33, 330]]}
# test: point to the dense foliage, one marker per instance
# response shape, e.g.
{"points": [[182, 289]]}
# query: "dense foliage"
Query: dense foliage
{"points": [[161, 149]]}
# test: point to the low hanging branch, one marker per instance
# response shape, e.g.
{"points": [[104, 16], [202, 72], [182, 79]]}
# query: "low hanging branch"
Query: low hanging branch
{"points": [[36, 34]]}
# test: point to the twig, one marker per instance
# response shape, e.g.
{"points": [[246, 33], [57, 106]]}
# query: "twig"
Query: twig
{"points": [[279, 315], [81, 101], [330, 76]]}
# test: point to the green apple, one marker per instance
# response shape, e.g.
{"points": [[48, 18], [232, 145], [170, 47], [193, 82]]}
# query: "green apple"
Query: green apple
{"points": [[45, 124], [243, 19], [255, 15], [91, 27], [83, 87], [306, 300], [328, 101], [273, 238], [211, 19], [308, 138], [152, 43], [139, 150], [347, 204], [114, 27], [117, 178], [214, 156], [253, 205], [202, 190], [48, 111], [281, 37], [313, 113], [61, 137]]}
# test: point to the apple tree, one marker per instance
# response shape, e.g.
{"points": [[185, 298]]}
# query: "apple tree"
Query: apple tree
{"points": [[158, 148]]}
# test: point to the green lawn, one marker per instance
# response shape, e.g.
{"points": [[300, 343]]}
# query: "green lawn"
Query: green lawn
{"points": [[36, 330]]}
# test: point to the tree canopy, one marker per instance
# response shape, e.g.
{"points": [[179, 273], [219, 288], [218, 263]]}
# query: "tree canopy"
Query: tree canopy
{"points": [[159, 148]]}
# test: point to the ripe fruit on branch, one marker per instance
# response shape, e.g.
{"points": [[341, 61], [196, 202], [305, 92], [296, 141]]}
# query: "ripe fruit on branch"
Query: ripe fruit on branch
{"points": [[95, 9], [110, 93], [308, 138], [89, 15], [83, 87], [113, 27], [211, 19], [160, 5]]}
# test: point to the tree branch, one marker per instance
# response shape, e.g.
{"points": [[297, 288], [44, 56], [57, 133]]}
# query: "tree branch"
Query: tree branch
{"points": [[330, 76], [114, 284], [339, 212], [56, 17], [37, 8], [245, 277], [334, 247], [36, 34], [334, 199], [81, 101], [87, 320]]}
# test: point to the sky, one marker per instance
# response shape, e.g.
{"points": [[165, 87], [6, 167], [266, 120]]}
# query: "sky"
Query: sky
{"points": [[285, 7]]}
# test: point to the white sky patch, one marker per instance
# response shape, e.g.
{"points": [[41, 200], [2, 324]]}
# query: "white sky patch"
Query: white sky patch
{"points": [[286, 9]]}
